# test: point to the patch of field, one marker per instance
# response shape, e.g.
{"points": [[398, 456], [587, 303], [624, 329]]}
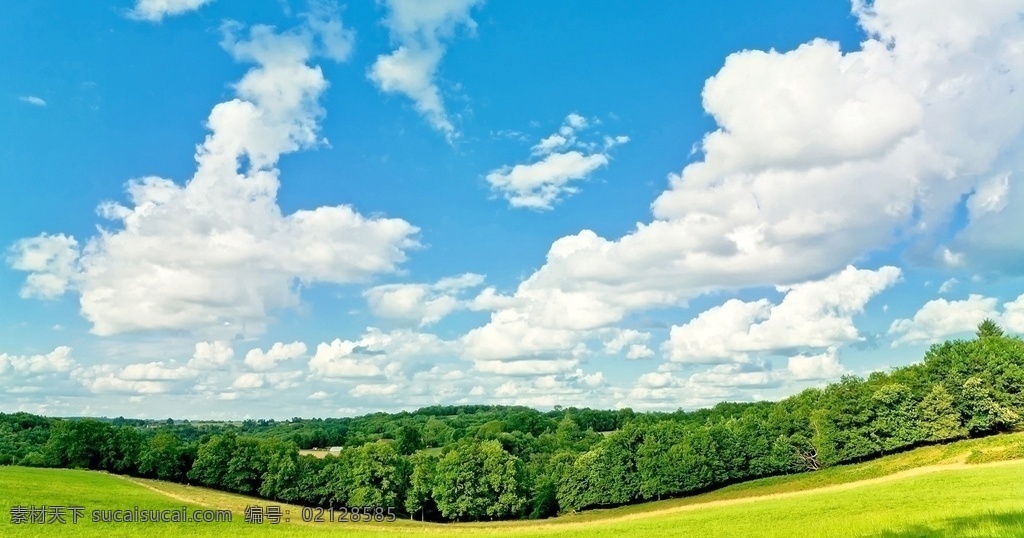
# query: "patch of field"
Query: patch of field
{"points": [[314, 453], [932, 491]]}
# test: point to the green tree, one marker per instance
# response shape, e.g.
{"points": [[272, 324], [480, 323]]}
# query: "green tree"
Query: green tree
{"points": [[246, 467], [437, 433], [655, 463], [458, 489], [281, 480], [983, 415], [939, 419], [419, 498], [896, 423], [477, 480], [989, 329], [409, 440], [378, 475], [211, 465], [503, 475], [162, 458]]}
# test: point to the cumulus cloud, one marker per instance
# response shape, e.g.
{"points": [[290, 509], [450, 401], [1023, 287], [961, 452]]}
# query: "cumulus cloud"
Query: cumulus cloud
{"points": [[157, 10], [211, 355], [280, 352], [421, 30], [157, 377], [217, 254], [573, 388], [948, 285], [375, 354], [632, 340], [50, 260], [32, 100], [821, 366], [422, 304], [820, 158], [814, 314], [57, 361], [562, 159], [1013, 315], [941, 318]]}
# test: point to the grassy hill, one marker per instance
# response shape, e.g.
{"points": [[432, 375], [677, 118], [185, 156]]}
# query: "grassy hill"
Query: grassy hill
{"points": [[970, 488]]}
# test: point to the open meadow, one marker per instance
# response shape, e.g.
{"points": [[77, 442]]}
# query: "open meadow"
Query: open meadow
{"points": [[969, 488]]}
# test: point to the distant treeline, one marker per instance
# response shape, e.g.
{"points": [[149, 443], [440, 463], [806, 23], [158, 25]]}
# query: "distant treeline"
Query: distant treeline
{"points": [[492, 462]]}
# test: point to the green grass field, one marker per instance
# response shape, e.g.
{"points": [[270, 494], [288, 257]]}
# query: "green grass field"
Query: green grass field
{"points": [[971, 488]]}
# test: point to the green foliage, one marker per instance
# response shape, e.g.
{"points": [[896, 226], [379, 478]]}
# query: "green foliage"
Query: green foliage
{"points": [[479, 480], [165, 458], [418, 497], [378, 475], [989, 329], [939, 419], [897, 423]]}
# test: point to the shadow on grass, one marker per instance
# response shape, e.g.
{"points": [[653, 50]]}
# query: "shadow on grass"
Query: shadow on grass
{"points": [[992, 524]]}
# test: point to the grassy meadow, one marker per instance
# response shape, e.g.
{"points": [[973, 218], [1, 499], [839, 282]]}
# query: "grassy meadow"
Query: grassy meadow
{"points": [[970, 488]]}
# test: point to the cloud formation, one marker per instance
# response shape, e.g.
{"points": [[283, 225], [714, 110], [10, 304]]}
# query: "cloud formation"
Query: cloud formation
{"points": [[941, 318], [421, 30], [820, 158], [815, 314], [562, 159], [158, 10], [217, 254], [422, 304], [32, 100]]}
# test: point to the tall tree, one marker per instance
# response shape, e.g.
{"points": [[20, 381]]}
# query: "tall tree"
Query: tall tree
{"points": [[940, 420], [419, 497], [378, 475]]}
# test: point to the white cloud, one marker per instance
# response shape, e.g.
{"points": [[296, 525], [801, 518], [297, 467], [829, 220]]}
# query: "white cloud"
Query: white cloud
{"points": [[50, 261], [279, 352], [736, 375], [661, 390], [32, 100], [1013, 315], [624, 338], [217, 255], [989, 197], [211, 355], [157, 10], [57, 361], [420, 29], [948, 285], [821, 157], [940, 318], [155, 371], [423, 304], [248, 380], [541, 183], [824, 365], [814, 314], [639, 351], [573, 388], [155, 377], [375, 354], [364, 390]]}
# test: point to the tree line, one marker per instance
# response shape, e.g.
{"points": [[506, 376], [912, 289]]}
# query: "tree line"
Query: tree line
{"points": [[492, 462]]}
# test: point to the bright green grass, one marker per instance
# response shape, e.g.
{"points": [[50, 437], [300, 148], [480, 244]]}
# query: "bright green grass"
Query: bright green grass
{"points": [[972, 500]]}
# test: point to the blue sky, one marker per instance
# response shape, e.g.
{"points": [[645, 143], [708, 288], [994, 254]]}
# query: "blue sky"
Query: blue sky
{"points": [[316, 209]]}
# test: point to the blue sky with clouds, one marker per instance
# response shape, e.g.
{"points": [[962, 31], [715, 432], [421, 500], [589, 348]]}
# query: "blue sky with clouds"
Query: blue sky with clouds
{"points": [[294, 208]]}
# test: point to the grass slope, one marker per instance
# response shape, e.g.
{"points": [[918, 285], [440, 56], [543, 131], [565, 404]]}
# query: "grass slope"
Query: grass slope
{"points": [[971, 488]]}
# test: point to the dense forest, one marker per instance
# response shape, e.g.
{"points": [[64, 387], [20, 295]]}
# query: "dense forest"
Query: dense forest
{"points": [[487, 462]]}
